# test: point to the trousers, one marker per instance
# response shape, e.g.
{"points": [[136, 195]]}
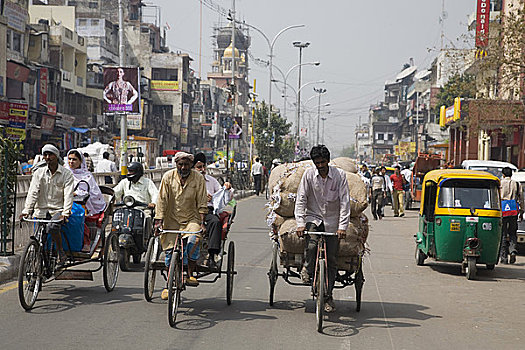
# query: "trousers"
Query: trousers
{"points": [[332, 245], [213, 230], [399, 202], [377, 203], [509, 238]]}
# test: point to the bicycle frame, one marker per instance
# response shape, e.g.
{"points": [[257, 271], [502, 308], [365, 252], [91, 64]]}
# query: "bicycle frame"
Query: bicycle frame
{"points": [[321, 254], [41, 237]]}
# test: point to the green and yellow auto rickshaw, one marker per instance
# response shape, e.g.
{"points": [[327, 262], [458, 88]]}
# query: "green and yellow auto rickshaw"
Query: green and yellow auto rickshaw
{"points": [[460, 219]]}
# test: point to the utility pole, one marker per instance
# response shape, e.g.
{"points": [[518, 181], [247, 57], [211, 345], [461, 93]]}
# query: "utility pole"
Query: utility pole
{"points": [[123, 115], [252, 140], [319, 91], [301, 46], [232, 93]]}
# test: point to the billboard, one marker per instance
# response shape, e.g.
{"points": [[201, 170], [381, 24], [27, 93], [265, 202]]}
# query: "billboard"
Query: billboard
{"points": [[164, 85], [121, 90], [482, 23], [235, 131]]}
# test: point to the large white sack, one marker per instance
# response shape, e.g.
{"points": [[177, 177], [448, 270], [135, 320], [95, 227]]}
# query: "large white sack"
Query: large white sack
{"points": [[357, 192], [288, 238], [345, 163]]}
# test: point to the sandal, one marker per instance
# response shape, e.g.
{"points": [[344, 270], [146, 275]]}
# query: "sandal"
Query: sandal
{"points": [[192, 281]]}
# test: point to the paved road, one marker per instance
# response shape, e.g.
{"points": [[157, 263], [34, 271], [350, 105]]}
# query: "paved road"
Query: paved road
{"points": [[404, 306]]}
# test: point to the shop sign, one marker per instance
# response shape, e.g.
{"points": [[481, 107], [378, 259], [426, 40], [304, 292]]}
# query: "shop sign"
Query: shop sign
{"points": [[65, 122], [164, 85], [48, 123], [16, 16], [43, 74], [134, 122], [17, 72], [482, 23], [51, 108]]}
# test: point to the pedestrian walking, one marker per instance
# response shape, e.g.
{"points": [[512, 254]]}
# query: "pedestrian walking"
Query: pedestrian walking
{"points": [[398, 181], [512, 208], [89, 162], [106, 166], [257, 172], [377, 193]]}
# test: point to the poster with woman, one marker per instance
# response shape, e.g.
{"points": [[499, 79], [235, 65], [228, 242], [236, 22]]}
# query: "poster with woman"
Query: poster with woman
{"points": [[121, 90], [235, 131]]}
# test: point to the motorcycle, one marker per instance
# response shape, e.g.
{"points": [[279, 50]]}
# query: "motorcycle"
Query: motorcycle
{"points": [[133, 228]]}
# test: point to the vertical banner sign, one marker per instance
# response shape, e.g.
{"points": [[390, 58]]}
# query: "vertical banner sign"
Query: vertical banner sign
{"points": [[121, 90], [43, 76], [482, 23], [236, 129]]}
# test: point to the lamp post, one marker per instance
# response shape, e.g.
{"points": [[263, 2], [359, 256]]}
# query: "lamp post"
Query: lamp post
{"points": [[320, 91], [270, 46], [301, 45]]}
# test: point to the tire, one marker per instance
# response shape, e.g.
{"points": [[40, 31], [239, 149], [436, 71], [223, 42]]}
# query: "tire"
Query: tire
{"points": [[319, 302], [111, 262], [471, 268], [359, 281], [175, 285], [30, 275], [137, 258], [230, 272], [491, 267], [123, 259], [420, 256], [150, 274], [273, 274]]}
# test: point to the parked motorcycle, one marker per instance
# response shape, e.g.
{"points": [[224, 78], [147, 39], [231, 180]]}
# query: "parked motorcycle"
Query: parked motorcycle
{"points": [[133, 228]]}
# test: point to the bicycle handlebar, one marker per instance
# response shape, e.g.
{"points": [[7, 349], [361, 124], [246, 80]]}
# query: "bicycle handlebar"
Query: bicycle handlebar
{"points": [[182, 232], [44, 221], [320, 233]]}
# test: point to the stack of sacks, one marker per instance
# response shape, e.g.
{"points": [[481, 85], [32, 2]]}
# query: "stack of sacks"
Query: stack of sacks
{"points": [[284, 182]]}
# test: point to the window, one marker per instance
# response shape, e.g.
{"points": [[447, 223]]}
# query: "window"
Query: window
{"points": [[8, 39], [390, 137], [17, 42], [380, 136], [72, 3], [82, 22], [469, 194], [93, 5], [94, 22], [32, 42]]}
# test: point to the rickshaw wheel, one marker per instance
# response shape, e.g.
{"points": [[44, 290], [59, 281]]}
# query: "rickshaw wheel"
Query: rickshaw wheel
{"points": [[319, 302], [111, 262], [29, 275], [359, 281], [149, 273], [230, 272], [420, 256], [174, 287], [471, 268], [123, 259], [273, 273], [490, 266]]}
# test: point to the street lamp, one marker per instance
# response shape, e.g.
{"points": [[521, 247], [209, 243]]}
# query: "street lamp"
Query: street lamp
{"points": [[320, 91], [301, 45], [270, 46]]}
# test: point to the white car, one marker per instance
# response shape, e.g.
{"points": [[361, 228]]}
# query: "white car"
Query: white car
{"points": [[519, 176], [491, 166]]}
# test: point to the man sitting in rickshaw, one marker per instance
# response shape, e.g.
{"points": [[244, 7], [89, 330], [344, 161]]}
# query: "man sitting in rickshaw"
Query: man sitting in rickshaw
{"points": [[50, 195], [323, 204], [182, 205], [213, 224]]}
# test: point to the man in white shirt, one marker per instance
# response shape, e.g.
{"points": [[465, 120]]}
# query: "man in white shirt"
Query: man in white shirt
{"points": [[106, 166], [51, 195], [323, 204], [137, 186], [257, 170], [213, 225]]}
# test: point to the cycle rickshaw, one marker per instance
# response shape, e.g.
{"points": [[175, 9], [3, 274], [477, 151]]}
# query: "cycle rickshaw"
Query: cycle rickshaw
{"points": [[349, 272], [176, 281], [38, 264]]}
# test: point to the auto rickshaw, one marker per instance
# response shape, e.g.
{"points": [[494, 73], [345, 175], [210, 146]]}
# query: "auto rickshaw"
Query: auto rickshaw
{"points": [[460, 219]]}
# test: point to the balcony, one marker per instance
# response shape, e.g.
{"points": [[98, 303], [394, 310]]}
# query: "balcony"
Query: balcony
{"points": [[67, 80]]}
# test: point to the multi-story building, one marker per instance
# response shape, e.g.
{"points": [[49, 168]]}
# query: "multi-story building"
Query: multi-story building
{"points": [[362, 143]]}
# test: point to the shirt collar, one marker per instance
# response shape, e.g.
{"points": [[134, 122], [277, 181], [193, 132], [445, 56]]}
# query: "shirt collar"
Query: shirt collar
{"points": [[330, 172], [60, 169]]}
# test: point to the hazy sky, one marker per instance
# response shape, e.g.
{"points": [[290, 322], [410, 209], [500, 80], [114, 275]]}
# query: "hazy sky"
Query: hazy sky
{"points": [[360, 45]]}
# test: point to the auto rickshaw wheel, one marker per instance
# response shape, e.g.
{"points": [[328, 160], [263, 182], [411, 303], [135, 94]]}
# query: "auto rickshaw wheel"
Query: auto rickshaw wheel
{"points": [[470, 269], [420, 256], [123, 259]]}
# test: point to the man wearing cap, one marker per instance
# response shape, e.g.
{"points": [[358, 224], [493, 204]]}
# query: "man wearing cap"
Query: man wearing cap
{"points": [[182, 205], [213, 226], [50, 194]]}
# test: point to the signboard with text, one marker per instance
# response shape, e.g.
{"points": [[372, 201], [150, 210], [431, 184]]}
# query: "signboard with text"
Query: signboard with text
{"points": [[121, 90], [482, 23], [17, 117], [43, 74], [164, 85]]}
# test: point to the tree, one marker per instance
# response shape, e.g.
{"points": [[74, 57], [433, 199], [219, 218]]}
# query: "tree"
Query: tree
{"points": [[273, 142], [348, 151], [459, 85]]}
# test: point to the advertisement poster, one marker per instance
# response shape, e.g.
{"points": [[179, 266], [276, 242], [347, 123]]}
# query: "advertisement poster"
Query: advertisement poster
{"points": [[121, 90], [235, 131], [482, 23], [17, 115], [43, 86]]}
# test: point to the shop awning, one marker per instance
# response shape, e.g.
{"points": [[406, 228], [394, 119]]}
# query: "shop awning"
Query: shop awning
{"points": [[79, 130]]}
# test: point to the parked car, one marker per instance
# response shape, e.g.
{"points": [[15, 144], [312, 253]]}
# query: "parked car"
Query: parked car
{"points": [[491, 166], [519, 176]]}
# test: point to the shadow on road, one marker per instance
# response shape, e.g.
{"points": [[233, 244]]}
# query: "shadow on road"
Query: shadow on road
{"points": [[206, 313], [500, 272], [346, 322], [62, 297]]}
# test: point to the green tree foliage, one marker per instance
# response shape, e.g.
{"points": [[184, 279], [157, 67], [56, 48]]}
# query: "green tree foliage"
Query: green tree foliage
{"points": [[459, 85], [9, 154], [269, 146], [348, 151]]}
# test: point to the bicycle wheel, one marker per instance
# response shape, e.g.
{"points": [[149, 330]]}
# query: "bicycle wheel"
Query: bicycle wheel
{"points": [[150, 273], [230, 273], [111, 262], [320, 285], [175, 285], [273, 274], [29, 275], [358, 283]]}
